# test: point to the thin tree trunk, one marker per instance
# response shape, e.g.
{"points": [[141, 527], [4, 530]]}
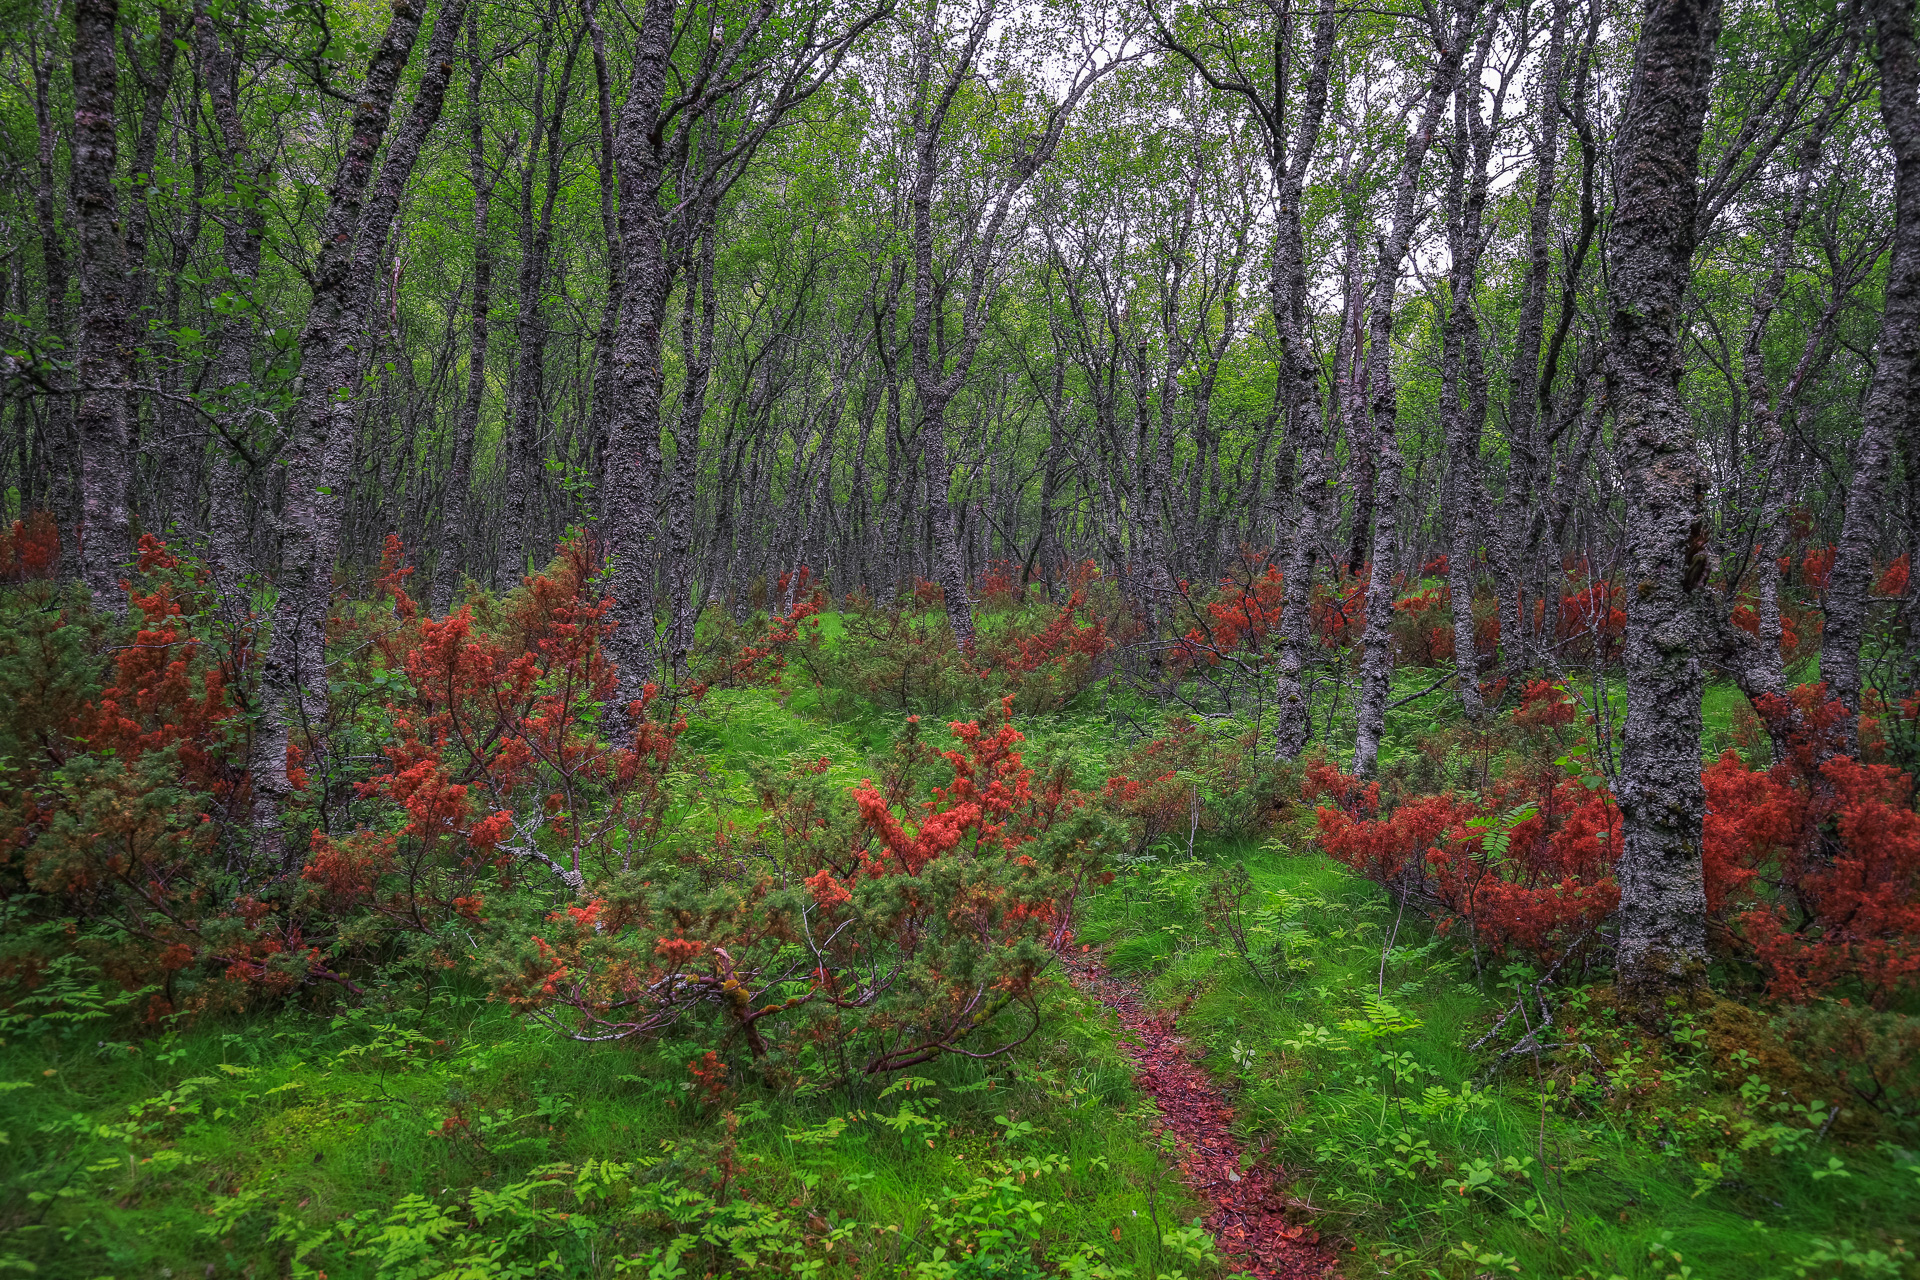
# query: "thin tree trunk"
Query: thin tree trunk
{"points": [[1886, 409], [1300, 374], [104, 359], [243, 233], [520, 438], [457, 500], [1516, 510], [1376, 667], [61, 447], [696, 351], [1464, 361]]}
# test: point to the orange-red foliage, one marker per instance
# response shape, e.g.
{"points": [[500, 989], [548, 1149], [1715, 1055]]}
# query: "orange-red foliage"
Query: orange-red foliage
{"points": [[30, 548]]}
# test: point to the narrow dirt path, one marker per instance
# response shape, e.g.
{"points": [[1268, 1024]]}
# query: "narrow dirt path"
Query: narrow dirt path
{"points": [[1249, 1218]]}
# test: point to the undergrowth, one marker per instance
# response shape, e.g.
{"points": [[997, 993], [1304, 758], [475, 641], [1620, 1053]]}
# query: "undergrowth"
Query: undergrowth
{"points": [[1345, 1032]]}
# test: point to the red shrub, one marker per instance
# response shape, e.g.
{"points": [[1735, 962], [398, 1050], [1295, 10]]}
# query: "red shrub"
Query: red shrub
{"points": [[1816, 568], [497, 755], [883, 954], [1815, 863], [1340, 609], [1892, 581], [1242, 615], [30, 549], [999, 587], [1423, 627]]}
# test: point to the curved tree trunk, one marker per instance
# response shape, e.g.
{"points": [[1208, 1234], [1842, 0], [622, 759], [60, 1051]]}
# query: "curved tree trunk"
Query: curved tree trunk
{"points": [[310, 519], [1886, 408]]}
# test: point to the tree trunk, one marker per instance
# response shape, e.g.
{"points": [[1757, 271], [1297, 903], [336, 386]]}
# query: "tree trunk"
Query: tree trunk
{"points": [[1516, 510], [633, 424], [1662, 921], [696, 352], [104, 359], [243, 233], [1886, 409], [457, 498], [520, 438], [1464, 402], [1300, 378], [61, 447], [295, 658], [1376, 667]]}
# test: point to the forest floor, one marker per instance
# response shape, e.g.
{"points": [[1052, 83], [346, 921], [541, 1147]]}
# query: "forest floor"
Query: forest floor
{"points": [[1256, 1226], [427, 1133]]}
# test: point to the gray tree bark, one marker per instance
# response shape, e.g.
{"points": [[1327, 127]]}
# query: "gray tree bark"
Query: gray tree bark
{"points": [[455, 535], [1290, 154], [1661, 944], [670, 194], [520, 436], [61, 449], [245, 178], [105, 350], [295, 658], [940, 368], [1464, 383], [1885, 412], [1376, 663], [698, 315]]}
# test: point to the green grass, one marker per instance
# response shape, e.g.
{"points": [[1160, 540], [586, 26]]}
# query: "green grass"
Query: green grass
{"points": [[306, 1141], [1357, 1076], [250, 1146]]}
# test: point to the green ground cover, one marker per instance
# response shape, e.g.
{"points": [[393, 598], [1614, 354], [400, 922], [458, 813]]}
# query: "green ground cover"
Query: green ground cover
{"points": [[424, 1132]]}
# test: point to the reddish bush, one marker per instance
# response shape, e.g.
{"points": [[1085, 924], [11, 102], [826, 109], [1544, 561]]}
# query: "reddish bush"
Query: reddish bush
{"points": [[1816, 568], [30, 549], [1593, 614], [1815, 863], [1525, 864], [1044, 668], [880, 955], [1241, 615], [126, 748], [1423, 627], [1892, 580], [1190, 780], [754, 657], [497, 756], [999, 587], [1340, 609]]}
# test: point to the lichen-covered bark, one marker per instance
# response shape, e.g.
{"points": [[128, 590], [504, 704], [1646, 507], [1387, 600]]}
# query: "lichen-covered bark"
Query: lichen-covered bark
{"points": [[309, 520], [520, 437], [1887, 402], [1755, 660], [1376, 662], [1464, 379], [245, 179], [696, 352], [104, 355], [61, 450], [1662, 920]]}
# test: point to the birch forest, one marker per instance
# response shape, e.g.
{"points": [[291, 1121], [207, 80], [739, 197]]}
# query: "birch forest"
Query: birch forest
{"points": [[697, 638]]}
